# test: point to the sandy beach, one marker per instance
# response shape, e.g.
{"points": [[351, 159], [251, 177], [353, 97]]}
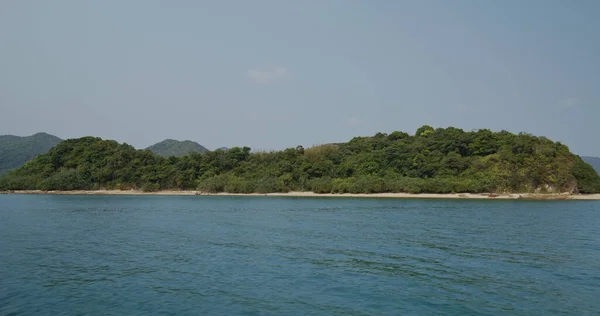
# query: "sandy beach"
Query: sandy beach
{"points": [[513, 196]]}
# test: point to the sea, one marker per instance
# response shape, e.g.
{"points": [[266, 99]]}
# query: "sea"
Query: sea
{"points": [[219, 255]]}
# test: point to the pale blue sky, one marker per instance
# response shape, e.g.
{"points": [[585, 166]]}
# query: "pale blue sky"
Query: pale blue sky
{"points": [[276, 74]]}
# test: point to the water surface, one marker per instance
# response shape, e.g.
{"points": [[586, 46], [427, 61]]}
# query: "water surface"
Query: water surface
{"points": [[188, 255]]}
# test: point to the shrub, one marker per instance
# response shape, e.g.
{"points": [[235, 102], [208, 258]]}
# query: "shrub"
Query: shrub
{"points": [[13, 182], [213, 184], [266, 185], [65, 180], [367, 184], [239, 185], [321, 185], [341, 185], [150, 187]]}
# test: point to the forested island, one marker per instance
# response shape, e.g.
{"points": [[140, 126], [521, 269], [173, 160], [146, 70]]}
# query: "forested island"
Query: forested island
{"points": [[443, 160]]}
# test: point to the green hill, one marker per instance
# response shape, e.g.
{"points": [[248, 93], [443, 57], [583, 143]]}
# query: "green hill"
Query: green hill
{"points": [[171, 147], [16, 150], [594, 162], [430, 161]]}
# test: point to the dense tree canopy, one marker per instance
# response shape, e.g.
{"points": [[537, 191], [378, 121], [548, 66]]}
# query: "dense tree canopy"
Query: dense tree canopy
{"points": [[433, 160]]}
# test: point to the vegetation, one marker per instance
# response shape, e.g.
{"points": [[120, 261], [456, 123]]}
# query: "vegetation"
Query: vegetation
{"points": [[431, 161], [15, 150], [171, 147], [594, 162]]}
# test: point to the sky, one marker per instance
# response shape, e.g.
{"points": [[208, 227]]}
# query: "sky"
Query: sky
{"points": [[277, 74]]}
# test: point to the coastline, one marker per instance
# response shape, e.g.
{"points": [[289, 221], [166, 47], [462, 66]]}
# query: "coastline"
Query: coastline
{"points": [[488, 196]]}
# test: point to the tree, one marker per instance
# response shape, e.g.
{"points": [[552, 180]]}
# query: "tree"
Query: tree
{"points": [[424, 131]]}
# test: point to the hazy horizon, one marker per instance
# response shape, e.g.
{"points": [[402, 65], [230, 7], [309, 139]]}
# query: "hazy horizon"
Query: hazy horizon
{"points": [[272, 74], [241, 145]]}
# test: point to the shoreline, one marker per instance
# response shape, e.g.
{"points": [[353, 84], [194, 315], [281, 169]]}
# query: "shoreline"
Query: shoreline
{"points": [[487, 196]]}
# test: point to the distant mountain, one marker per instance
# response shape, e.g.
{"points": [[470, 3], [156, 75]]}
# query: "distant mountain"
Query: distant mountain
{"points": [[594, 161], [15, 151], [171, 147]]}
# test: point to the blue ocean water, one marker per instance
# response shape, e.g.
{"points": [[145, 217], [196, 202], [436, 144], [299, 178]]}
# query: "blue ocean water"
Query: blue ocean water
{"points": [[188, 255]]}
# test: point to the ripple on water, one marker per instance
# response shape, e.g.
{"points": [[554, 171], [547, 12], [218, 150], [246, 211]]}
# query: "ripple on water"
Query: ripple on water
{"points": [[89, 255]]}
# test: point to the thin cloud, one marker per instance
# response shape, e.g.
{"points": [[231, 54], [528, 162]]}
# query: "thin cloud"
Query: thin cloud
{"points": [[267, 74]]}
